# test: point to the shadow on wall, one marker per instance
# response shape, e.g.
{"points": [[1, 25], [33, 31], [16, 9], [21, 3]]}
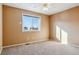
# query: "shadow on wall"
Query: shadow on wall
{"points": [[61, 35]]}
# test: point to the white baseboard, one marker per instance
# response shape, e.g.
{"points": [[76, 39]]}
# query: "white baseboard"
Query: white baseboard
{"points": [[74, 45], [24, 43]]}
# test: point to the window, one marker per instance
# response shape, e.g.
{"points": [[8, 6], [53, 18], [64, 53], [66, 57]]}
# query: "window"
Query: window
{"points": [[30, 23]]}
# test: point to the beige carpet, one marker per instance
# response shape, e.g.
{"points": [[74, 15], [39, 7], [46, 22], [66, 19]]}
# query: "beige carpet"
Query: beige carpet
{"points": [[42, 48]]}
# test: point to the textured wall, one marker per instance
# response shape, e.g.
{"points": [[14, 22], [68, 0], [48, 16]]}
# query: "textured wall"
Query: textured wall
{"points": [[0, 28], [69, 22], [12, 28]]}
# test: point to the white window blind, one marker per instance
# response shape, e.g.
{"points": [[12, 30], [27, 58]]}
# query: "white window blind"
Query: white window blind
{"points": [[30, 23]]}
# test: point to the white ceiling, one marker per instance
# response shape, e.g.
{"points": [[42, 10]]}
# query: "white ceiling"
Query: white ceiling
{"points": [[38, 7]]}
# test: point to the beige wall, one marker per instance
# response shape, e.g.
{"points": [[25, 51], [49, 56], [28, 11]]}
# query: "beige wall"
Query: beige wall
{"points": [[0, 28], [69, 22], [12, 29]]}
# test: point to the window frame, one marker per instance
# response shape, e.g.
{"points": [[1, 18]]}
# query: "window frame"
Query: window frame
{"points": [[32, 16]]}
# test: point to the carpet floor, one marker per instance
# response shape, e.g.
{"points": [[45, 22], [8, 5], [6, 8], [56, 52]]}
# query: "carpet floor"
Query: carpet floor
{"points": [[42, 48]]}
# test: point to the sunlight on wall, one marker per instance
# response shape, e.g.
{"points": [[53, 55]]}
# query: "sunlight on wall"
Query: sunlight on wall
{"points": [[58, 32], [61, 35], [64, 37]]}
